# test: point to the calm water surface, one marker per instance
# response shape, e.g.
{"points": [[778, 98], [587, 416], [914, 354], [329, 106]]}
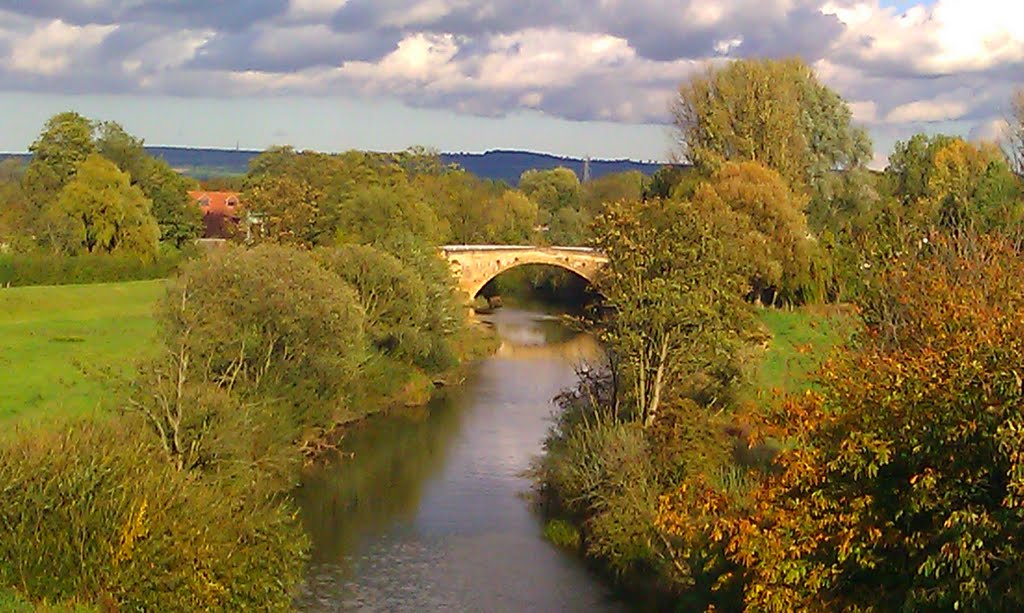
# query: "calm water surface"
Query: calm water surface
{"points": [[429, 512]]}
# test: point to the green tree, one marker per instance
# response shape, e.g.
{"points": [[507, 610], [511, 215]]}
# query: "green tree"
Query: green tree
{"points": [[379, 215], [99, 211], [944, 182], [911, 164], [399, 314], [269, 323], [627, 185], [177, 215], [121, 148], [674, 284], [774, 112], [774, 236], [66, 141], [551, 189]]}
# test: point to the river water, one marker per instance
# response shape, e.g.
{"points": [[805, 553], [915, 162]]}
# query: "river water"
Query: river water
{"points": [[429, 512]]}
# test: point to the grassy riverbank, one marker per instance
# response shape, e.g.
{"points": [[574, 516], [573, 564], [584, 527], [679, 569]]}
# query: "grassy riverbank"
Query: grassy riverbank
{"points": [[801, 339], [56, 343]]}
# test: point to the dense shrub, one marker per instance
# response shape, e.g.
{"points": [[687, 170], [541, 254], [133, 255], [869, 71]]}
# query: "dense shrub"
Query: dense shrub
{"points": [[394, 297], [597, 470], [904, 483], [270, 323], [94, 515], [48, 269]]}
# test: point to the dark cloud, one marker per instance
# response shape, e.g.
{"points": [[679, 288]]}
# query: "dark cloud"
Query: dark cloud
{"points": [[290, 49], [229, 15]]}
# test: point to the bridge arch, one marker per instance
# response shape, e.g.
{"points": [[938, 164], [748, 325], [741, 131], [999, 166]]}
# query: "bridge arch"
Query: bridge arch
{"points": [[475, 265]]}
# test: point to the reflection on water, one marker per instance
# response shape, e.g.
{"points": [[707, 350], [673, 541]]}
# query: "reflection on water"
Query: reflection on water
{"points": [[428, 515]]}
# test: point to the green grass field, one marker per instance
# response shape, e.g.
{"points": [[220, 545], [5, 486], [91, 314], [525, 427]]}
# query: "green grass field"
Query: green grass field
{"points": [[56, 343], [801, 339]]}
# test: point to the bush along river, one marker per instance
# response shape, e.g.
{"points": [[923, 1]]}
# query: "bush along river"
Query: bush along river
{"points": [[428, 510]]}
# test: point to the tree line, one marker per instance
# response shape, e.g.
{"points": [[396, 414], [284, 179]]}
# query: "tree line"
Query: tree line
{"points": [[894, 482]]}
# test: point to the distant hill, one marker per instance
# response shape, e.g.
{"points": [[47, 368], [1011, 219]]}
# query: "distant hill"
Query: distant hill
{"points": [[498, 165], [509, 165]]}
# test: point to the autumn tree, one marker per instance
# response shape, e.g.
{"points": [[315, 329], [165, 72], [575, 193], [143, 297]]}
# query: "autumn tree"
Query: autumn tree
{"points": [[773, 233], [283, 210], [902, 483], [99, 211], [774, 112], [972, 186], [15, 211], [674, 283]]}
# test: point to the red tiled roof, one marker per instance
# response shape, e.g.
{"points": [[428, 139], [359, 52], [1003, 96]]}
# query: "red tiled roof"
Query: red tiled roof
{"points": [[220, 211], [225, 203]]}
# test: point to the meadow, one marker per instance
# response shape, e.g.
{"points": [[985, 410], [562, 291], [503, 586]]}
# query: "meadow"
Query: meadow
{"points": [[60, 344]]}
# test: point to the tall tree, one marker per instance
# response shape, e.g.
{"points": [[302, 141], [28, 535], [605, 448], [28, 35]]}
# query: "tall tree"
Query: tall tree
{"points": [[176, 213], [99, 211], [774, 112], [66, 140], [674, 283]]}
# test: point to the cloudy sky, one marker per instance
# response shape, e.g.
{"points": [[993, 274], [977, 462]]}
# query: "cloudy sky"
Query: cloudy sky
{"points": [[573, 77]]}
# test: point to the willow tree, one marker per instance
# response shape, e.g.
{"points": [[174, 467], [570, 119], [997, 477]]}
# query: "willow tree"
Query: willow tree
{"points": [[774, 112], [100, 211]]}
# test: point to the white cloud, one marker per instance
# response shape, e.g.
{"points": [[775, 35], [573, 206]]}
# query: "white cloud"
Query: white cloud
{"points": [[49, 48], [927, 110]]}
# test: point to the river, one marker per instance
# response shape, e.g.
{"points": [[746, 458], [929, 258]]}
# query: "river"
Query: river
{"points": [[429, 512]]}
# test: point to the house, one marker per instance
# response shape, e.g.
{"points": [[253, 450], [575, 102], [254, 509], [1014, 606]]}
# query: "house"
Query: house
{"points": [[221, 212]]}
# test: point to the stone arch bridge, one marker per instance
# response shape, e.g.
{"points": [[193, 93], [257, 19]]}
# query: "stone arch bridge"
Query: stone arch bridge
{"points": [[475, 265]]}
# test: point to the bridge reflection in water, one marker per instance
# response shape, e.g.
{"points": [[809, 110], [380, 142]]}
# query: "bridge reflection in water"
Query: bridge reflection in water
{"points": [[548, 338]]}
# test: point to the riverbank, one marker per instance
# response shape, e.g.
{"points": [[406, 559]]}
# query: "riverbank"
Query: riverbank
{"points": [[72, 352], [607, 485]]}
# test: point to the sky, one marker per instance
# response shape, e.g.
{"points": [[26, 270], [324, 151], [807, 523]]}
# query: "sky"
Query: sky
{"points": [[570, 77]]}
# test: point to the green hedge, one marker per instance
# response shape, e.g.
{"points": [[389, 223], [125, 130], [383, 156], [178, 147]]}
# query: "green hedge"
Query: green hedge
{"points": [[48, 269]]}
